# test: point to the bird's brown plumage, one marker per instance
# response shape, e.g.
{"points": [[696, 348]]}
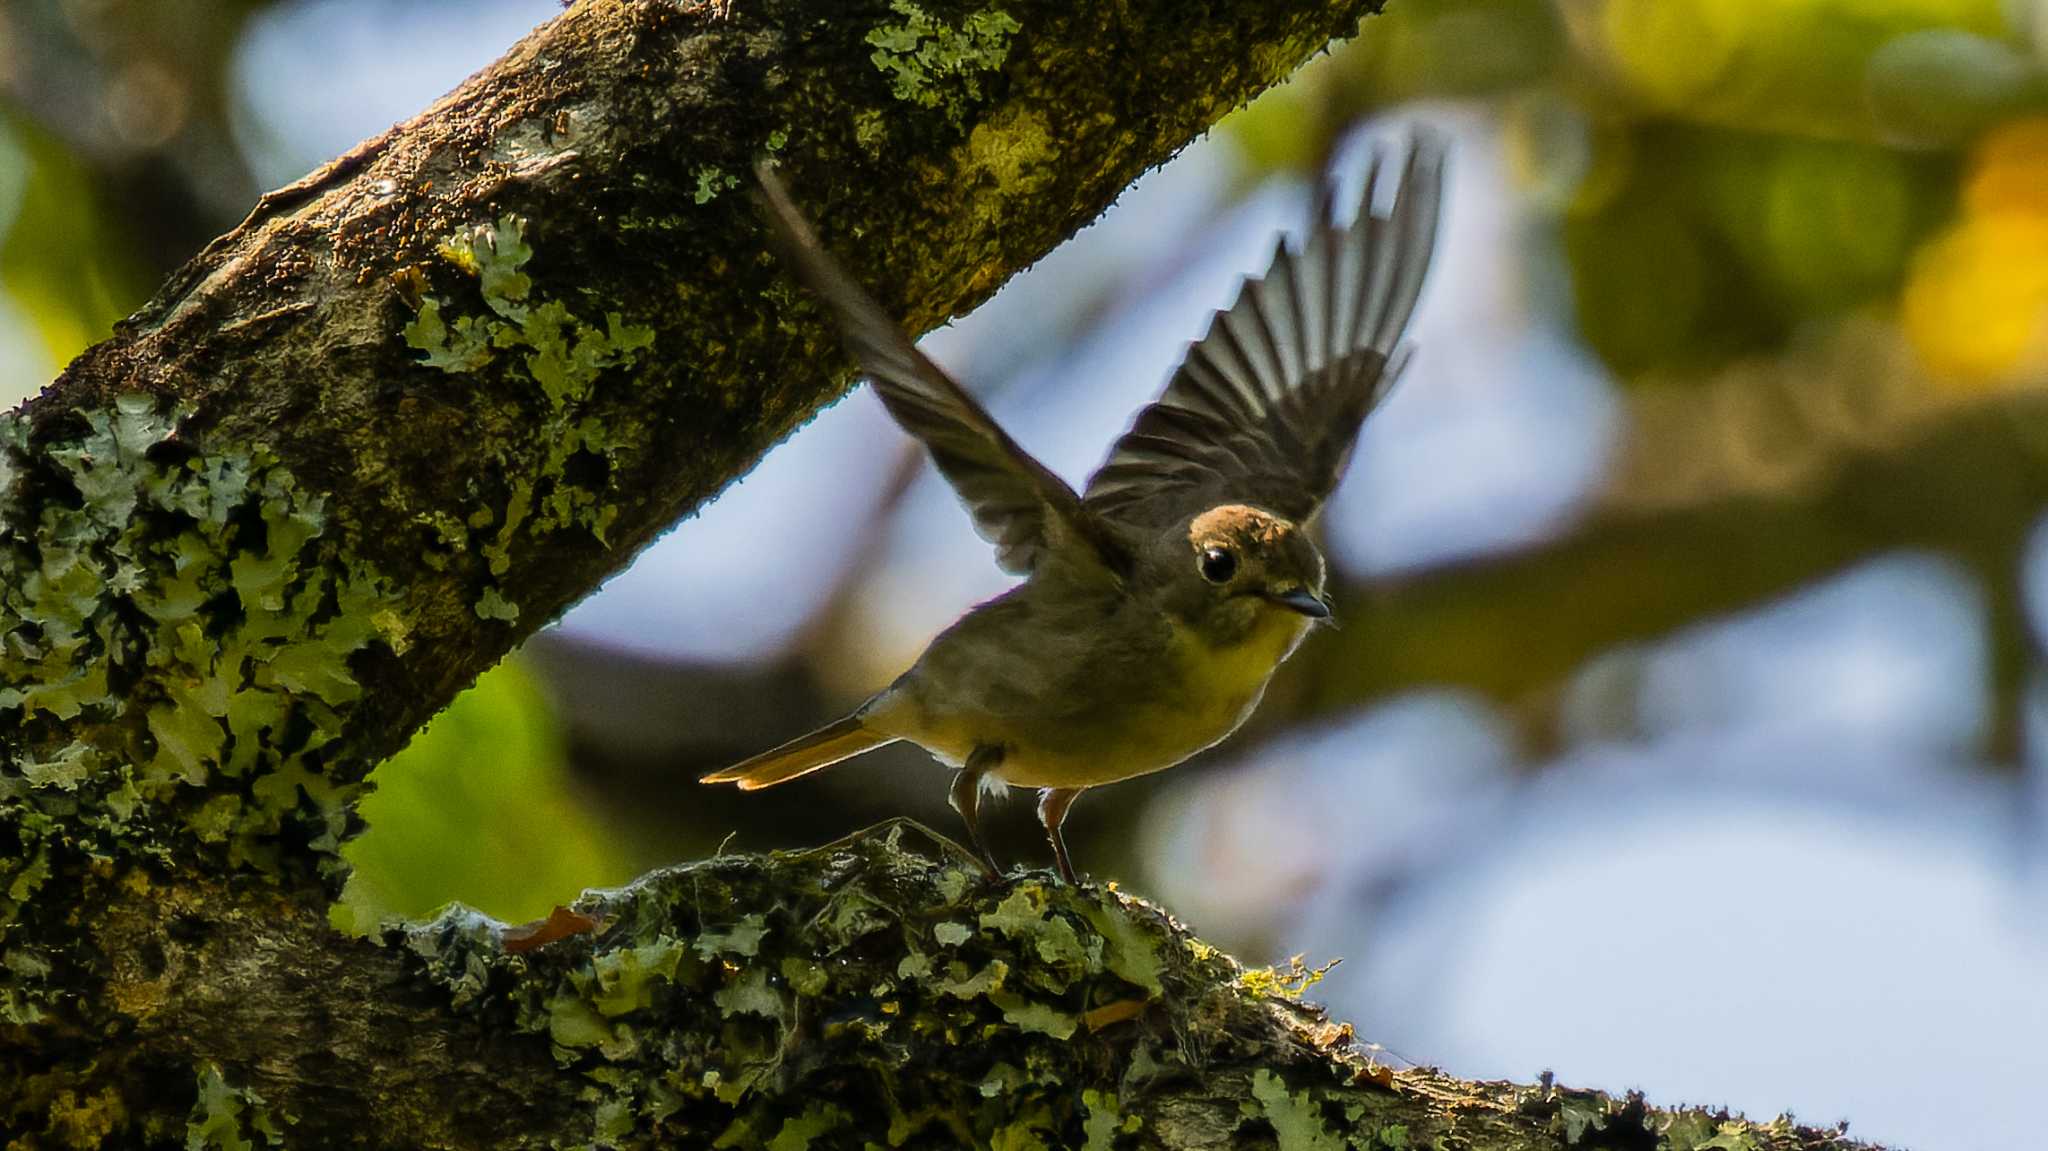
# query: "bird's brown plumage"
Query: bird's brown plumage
{"points": [[1157, 604]]}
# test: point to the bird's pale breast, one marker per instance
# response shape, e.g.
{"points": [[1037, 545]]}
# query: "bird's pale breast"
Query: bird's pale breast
{"points": [[1070, 722]]}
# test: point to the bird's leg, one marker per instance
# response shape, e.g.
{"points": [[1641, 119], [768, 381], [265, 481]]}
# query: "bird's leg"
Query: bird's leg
{"points": [[966, 799], [1053, 803]]}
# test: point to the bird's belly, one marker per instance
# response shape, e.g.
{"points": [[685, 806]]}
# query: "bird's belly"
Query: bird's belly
{"points": [[1145, 741], [1203, 694]]}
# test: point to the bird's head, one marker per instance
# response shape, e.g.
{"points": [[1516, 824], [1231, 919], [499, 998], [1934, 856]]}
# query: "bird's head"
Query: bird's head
{"points": [[1243, 567]]}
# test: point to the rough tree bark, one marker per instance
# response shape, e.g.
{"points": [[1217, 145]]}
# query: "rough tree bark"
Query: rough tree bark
{"points": [[419, 402]]}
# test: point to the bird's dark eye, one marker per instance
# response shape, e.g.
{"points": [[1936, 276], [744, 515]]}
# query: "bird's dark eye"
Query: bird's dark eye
{"points": [[1218, 565]]}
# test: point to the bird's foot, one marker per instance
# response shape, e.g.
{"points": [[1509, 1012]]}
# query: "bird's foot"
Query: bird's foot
{"points": [[990, 869]]}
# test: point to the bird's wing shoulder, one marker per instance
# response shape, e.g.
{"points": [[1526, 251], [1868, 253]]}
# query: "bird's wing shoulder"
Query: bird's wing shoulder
{"points": [[1266, 406], [1043, 649], [1020, 506]]}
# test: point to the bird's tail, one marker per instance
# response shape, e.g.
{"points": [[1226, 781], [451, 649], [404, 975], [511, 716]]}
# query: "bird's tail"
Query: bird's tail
{"points": [[802, 755]]}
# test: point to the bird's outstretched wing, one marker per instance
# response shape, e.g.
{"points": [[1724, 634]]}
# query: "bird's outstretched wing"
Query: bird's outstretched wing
{"points": [[1025, 510], [1267, 405]]}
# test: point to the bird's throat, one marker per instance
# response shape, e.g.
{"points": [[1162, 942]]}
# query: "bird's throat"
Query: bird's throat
{"points": [[1235, 663]]}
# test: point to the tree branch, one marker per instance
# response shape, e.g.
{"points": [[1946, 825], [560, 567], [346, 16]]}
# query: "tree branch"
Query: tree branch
{"points": [[872, 992], [410, 409]]}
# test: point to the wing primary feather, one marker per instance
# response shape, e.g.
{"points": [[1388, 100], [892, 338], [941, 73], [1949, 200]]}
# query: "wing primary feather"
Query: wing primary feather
{"points": [[1347, 257], [1279, 315], [1209, 390], [1267, 405], [1311, 331], [1017, 504], [1414, 224], [1232, 366], [1375, 281], [1287, 320], [1331, 241]]}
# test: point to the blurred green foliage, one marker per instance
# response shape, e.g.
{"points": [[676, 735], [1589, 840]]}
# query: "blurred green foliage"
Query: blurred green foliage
{"points": [[1721, 173], [1415, 49], [1943, 85], [1691, 244], [1826, 68], [478, 809], [61, 263]]}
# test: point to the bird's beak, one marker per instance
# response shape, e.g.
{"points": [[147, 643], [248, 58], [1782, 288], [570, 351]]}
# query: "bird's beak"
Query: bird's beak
{"points": [[1304, 601]]}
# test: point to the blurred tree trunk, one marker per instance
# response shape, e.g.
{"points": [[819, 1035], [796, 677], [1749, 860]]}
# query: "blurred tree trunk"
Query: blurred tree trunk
{"points": [[404, 414]]}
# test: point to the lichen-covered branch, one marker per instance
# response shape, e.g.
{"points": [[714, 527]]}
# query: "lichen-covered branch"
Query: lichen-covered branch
{"points": [[877, 992], [409, 410]]}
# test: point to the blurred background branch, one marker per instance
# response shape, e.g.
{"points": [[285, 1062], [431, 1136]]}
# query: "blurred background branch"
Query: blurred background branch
{"points": [[1643, 564]]}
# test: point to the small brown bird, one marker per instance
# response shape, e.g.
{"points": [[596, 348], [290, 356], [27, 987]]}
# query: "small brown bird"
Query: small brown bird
{"points": [[1157, 603]]}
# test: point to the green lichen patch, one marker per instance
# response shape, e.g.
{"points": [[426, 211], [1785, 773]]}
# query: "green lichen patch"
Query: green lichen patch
{"points": [[492, 604], [1288, 982], [936, 64], [711, 182], [558, 359], [1596, 1119], [876, 990], [1297, 1117], [1014, 148], [178, 625], [228, 1118], [1105, 1125], [452, 951], [24, 986], [72, 1116], [880, 993]]}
